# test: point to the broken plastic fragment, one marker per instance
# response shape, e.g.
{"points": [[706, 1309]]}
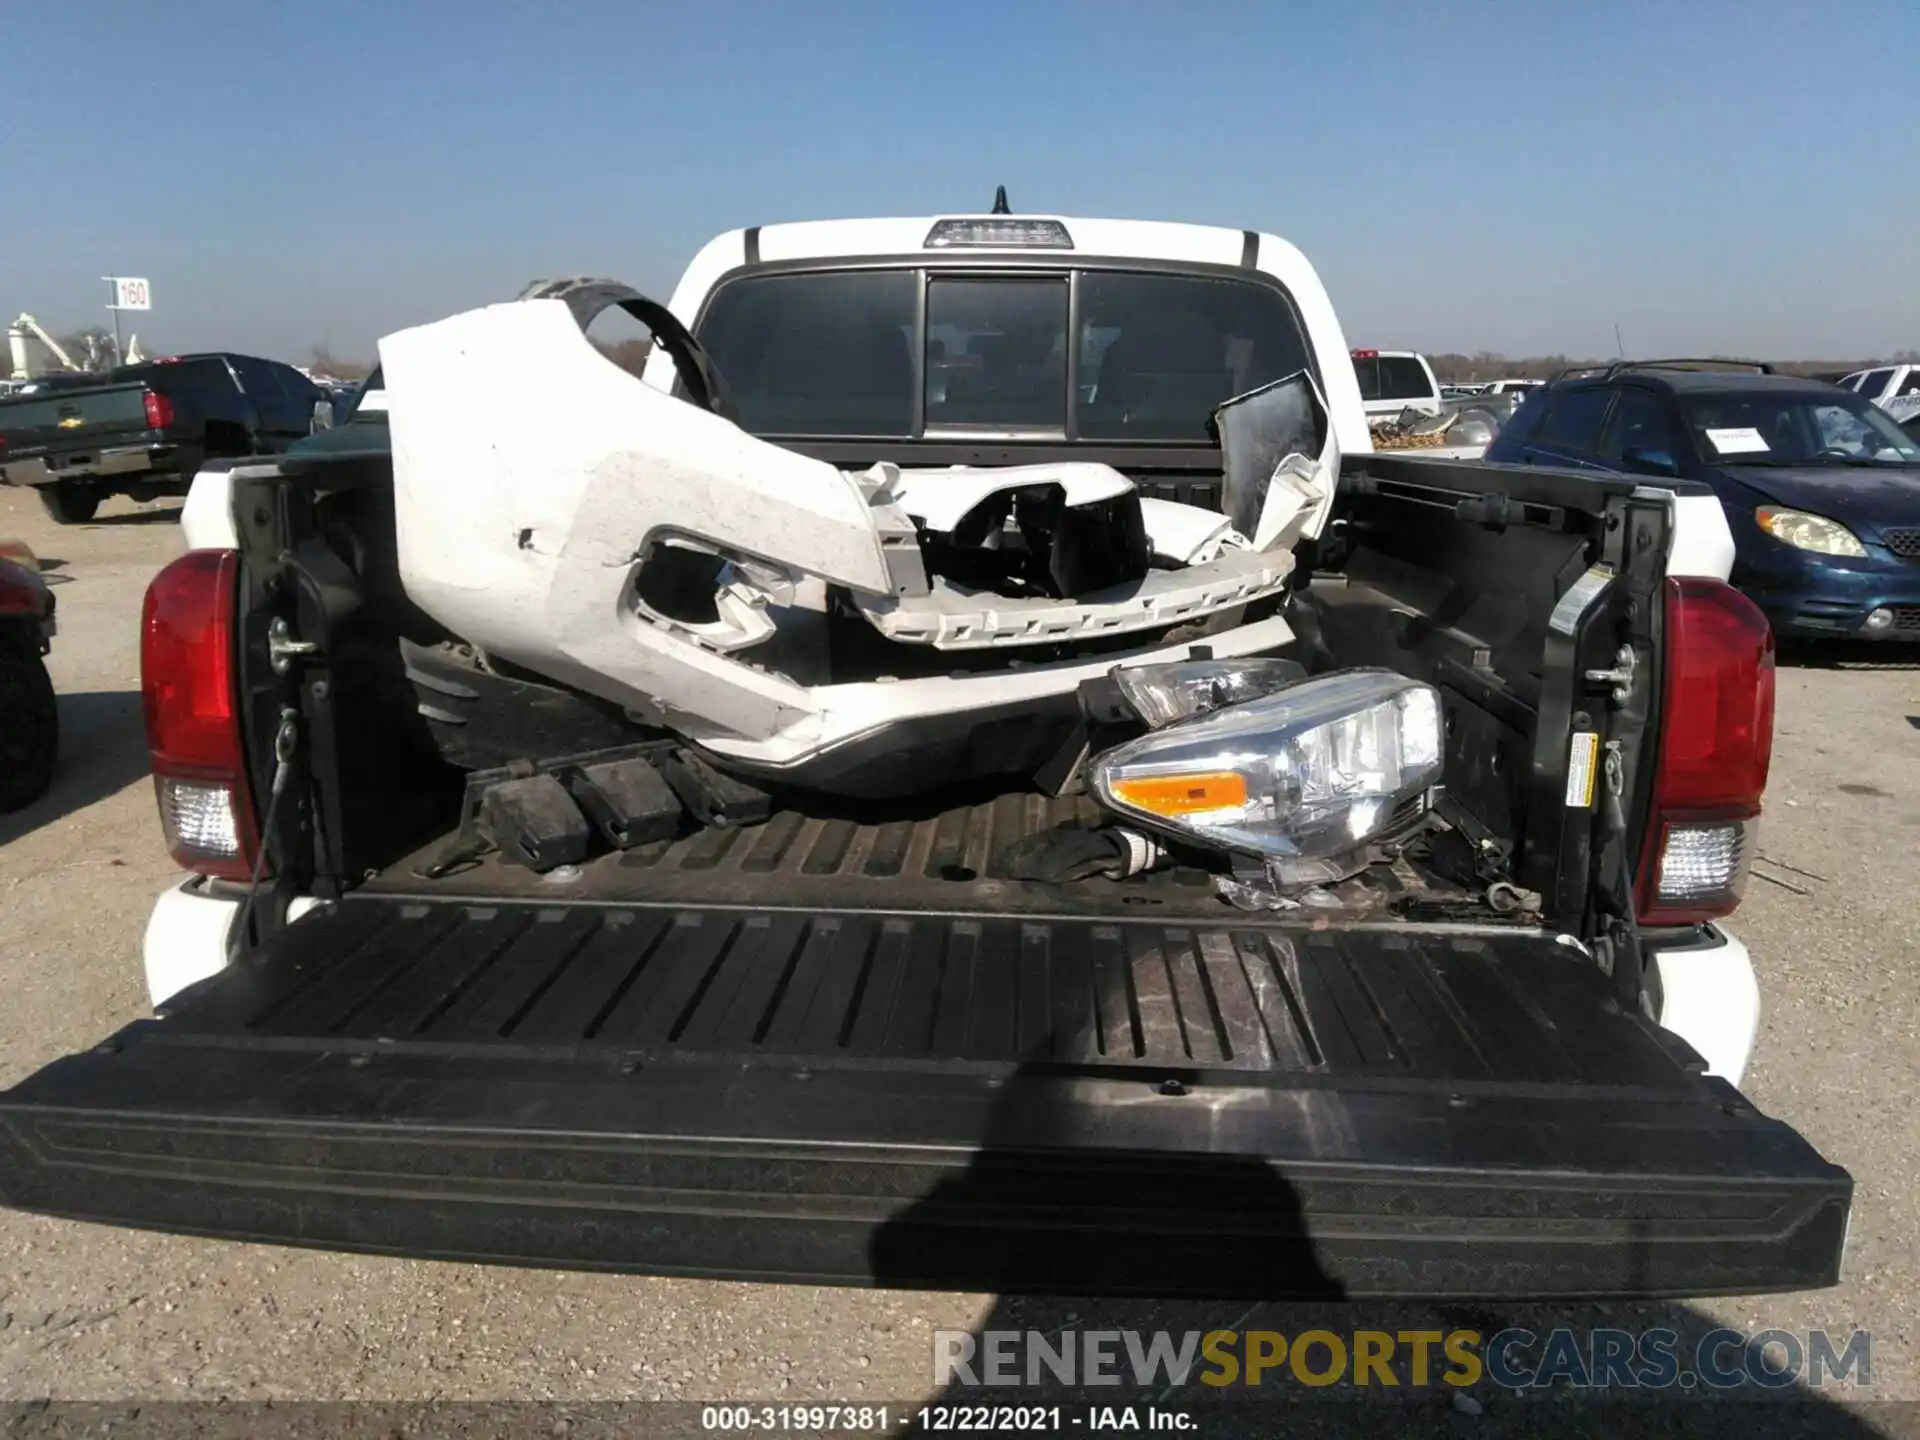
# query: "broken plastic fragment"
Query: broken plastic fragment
{"points": [[1279, 459], [1186, 534], [954, 618], [942, 499], [1254, 895], [1056, 530], [719, 600], [1257, 890]]}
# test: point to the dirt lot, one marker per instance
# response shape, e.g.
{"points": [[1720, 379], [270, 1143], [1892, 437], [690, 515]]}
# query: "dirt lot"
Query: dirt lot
{"points": [[87, 1312]]}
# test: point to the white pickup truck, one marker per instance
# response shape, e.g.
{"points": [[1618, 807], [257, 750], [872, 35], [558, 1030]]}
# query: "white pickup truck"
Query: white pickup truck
{"points": [[1392, 381], [827, 1036]]}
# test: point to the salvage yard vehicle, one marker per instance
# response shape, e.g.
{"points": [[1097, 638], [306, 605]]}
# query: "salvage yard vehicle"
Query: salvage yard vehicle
{"points": [[145, 430], [357, 422], [1393, 381], [1521, 388], [1087, 824], [1885, 385], [1821, 488], [29, 713]]}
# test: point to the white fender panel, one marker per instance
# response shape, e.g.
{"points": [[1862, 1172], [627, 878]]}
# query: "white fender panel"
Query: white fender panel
{"points": [[188, 933]]}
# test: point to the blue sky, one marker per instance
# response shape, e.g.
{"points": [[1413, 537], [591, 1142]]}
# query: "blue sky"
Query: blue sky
{"points": [[1517, 177]]}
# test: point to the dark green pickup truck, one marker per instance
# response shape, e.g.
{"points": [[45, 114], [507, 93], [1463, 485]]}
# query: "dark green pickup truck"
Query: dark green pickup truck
{"points": [[143, 430]]}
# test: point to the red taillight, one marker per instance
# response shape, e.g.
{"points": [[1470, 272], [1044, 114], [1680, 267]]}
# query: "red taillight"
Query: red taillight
{"points": [[159, 411], [1716, 740], [22, 591], [189, 694], [1366, 354]]}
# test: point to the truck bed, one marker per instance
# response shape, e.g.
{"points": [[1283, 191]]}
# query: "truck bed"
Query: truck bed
{"points": [[950, 853], [1008, 1102]]}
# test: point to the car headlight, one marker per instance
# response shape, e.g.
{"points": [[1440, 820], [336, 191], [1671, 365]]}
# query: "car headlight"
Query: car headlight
{"points": [[1809, 532], [1181, 689], [1309, 775]]}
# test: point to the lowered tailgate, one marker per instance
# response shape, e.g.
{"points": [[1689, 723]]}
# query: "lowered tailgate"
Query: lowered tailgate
{"points": [[1012, 1103]]}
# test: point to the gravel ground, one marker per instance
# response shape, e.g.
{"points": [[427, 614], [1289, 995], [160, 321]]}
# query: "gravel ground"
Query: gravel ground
{"points": [[89, 1313]]}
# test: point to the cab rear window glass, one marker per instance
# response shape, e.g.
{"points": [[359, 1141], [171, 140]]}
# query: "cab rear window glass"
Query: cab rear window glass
{"points": [[997, 354], [821, 354], [1159, 353], [838, 354], [1392, 377]]}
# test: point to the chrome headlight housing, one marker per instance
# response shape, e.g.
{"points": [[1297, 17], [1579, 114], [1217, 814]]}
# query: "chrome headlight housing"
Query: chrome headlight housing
{"points": [[1312, 773], [1181, 689]]}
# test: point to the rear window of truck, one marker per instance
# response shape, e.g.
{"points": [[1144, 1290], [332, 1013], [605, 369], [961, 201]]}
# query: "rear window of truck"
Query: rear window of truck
{"points": [[1087, 354], [1393, 377]]}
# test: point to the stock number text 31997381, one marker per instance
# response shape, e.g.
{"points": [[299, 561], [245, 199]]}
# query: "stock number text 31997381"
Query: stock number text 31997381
{"points": [[881, 1419]]}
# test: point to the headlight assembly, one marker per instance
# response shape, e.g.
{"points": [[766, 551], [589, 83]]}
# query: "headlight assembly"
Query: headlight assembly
{"points": [[1302, 779], [1809, 532]]}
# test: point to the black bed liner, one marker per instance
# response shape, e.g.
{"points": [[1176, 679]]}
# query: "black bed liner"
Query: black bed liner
{"points": [[1009, 1103], [949, 853]]}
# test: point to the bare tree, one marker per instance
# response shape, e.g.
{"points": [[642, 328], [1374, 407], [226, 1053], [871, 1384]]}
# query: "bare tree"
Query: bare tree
{"points": [[321, 361], [629, 355], [91, 347]]}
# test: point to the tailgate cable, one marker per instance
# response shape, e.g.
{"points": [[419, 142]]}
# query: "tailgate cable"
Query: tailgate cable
{"points": [[1617, 944], [286, 741]]}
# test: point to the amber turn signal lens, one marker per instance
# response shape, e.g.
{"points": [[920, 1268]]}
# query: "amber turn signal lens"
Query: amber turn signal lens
{"points": [[1184, 794]]}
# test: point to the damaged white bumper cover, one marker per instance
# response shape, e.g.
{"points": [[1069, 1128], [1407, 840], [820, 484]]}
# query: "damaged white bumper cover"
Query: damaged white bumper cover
{"points": [[529, 528]]}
